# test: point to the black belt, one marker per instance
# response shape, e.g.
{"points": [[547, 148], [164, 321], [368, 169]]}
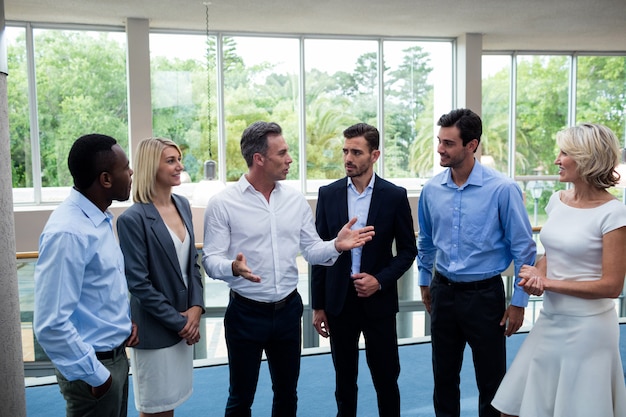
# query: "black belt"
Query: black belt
{"points": [[262, 304], [111, 354], [472, 285]]}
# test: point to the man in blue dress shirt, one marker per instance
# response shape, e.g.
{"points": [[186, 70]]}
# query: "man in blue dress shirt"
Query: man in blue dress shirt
{"points": [[472, 224], [82, 315]]}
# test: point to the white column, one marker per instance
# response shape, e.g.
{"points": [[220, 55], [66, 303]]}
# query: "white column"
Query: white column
{"points": [[139, 90], [12, 394], [469, 74]]}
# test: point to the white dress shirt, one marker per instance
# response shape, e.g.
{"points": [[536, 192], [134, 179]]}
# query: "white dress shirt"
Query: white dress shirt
{"points": [[269, 234]]}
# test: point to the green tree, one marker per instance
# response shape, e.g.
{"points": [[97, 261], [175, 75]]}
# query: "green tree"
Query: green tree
{"points": [[601, 92], [408, 124], [19, 125], [542, 100], [81, 88]]}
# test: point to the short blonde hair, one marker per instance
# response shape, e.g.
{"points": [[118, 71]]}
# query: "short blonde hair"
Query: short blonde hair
{"points": [[146, 166], [596, 151]]}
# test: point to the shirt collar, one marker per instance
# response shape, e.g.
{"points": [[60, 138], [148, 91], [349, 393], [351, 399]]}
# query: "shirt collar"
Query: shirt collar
{"points": [[475, 177], [244, 184], [92, 212], [350, 184]]}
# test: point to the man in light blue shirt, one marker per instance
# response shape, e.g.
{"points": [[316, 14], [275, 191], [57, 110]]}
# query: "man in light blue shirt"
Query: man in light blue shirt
{"points": [[82, 316], [472, 224]]}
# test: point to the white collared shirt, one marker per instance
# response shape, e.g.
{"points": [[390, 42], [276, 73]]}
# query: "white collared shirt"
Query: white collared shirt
{"points": [[269, 234]]}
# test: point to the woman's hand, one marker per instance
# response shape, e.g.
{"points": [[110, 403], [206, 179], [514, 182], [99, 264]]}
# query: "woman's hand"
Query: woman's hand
{"points": [[532, 281], [191, 331]]}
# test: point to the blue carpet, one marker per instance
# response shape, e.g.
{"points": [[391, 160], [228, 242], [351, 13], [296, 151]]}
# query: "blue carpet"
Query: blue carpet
{"points": [[315, 389]]}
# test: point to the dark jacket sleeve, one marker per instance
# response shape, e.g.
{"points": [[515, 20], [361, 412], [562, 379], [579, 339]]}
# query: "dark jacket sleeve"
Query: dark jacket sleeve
{"points": [[318, 272]]}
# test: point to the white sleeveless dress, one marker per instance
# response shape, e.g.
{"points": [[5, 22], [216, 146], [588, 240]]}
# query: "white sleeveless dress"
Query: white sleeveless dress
{"points": [[570, 365]]}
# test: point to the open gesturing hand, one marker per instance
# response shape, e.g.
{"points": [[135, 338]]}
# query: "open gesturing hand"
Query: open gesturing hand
{"points": [[349, 239], [241, 269]]}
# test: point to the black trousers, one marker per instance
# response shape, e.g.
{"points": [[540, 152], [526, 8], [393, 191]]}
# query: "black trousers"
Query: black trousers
{"points": [[251, 328], [381, 352], [460, 315]]}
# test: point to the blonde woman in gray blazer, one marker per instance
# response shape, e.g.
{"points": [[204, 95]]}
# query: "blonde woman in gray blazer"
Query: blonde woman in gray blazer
{"points": [[164, 280]]}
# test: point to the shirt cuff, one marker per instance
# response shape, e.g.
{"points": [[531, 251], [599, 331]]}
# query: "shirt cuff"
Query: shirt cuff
{"points": [[424, 277], [99, 377], [519, 298]]}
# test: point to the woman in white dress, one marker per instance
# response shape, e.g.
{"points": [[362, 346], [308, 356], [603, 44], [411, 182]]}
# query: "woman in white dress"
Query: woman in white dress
{"points": [[164, 280], [569, 365]]}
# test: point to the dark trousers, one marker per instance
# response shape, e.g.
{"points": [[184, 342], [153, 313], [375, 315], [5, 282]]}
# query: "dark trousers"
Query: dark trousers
{"points": [[81, 403], [252, 328], [381, 352], [464, 314]]}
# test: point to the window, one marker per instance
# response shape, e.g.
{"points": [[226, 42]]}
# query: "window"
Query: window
{"points": [[22, 170], [179, 97], [418, 90], [80, 88], [341, 90], [496, 109], [541, 111], [261, 82]]}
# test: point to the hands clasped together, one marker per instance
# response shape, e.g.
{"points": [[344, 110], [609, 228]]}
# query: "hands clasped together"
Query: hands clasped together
{"points": [[191, 331], [532, 281]]}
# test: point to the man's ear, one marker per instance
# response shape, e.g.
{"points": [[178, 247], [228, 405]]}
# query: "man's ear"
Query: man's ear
{"points": [[375, 155], [258, 159], [473, 144], [105, 179]]}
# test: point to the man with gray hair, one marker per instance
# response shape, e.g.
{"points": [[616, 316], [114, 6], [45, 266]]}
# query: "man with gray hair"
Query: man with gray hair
{"points": [[253, 231]]}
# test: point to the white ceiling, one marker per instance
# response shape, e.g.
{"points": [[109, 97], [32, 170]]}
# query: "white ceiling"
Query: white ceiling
{"points": [[529, 25]]}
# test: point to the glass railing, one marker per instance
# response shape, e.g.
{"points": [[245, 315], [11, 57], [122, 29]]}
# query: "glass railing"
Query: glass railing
{"points": [[412, 321]]}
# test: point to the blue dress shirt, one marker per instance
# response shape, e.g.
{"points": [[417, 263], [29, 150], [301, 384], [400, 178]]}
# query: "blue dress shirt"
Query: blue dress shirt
{"points": [[474, 231], [81, 298], [359, 207]]}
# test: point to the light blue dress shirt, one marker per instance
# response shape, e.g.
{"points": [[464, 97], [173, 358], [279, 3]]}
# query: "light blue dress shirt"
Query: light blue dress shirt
{"points": [[81, 297], [359, 207], [474, 231]]}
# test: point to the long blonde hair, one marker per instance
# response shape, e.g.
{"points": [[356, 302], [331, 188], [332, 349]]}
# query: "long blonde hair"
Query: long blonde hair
{"points": [[147, 160], [596, 151]]}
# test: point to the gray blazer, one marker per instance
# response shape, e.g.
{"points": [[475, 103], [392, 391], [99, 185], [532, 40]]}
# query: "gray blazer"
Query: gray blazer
{"points": [[155, 281]]}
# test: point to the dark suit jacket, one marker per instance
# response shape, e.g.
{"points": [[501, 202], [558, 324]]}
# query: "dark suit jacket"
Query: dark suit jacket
{"points": [[155, 281], [390, 214]]}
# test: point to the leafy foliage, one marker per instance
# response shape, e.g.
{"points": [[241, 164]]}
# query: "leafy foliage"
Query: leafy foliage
{"points": [[81, 88]]}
